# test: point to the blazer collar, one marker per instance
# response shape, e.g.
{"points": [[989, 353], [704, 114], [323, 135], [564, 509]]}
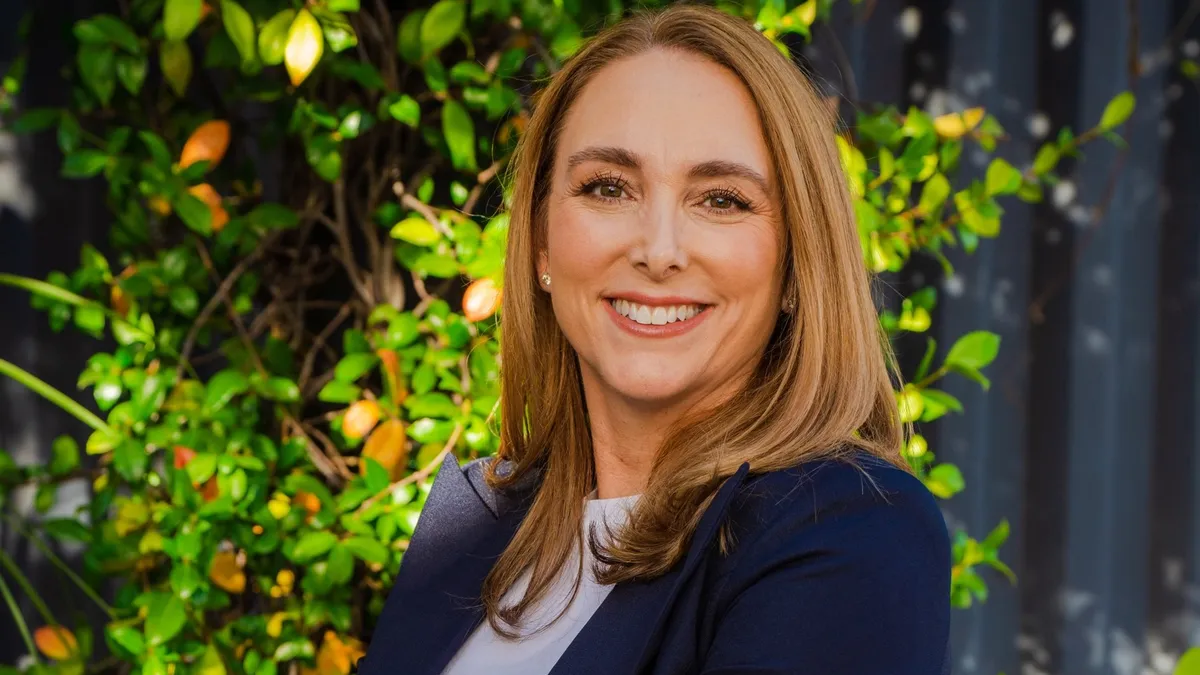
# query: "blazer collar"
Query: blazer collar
{"points": [[462, 530]]}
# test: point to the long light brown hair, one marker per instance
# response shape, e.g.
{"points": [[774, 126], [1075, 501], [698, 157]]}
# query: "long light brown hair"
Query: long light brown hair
{"points": [[822, 387]]}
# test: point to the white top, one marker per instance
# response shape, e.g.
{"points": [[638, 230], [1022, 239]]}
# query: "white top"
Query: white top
{"points": [[487, 652]]}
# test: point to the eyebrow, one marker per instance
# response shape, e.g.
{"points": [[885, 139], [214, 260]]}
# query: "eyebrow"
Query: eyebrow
{"points": [[713, 168]]}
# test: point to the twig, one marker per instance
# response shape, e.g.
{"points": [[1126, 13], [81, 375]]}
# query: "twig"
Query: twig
{"points": [[311, 356], [415, 476], [211, 306], [331, 452], [422, 208]]}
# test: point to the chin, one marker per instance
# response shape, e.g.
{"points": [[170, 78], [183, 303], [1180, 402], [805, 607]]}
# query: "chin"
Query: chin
{"points": [[655, 386]]}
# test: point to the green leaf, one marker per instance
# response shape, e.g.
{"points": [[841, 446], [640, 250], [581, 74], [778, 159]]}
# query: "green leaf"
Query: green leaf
{"points": [[1117, 111], [313, 544], [436, 265], [97, 68], [180, 18], [354, 366], [112, 29], [184, 300], [441, 24], [337, 29], [324, 156], [937, 403], [1002, 178], [432, 404], [273, 216], [377, 477], [339, 392], [222, 387], [343, 5], [175, 59], [272, 40], [408, 37], [1046, 159], [467, 72], [84, 163], [193, 212], [36, 119], [131, 71], [128, 638], [164, 619], [64, 456], [974, 350], [100, 442], [340, 565], [240, 28], [934, 194], [280, 389], [300, 648], [107, 392], [945, 481], [460, 135], [416, 230], [406, 110], [201, 468], [68, 529], [368, 550]]}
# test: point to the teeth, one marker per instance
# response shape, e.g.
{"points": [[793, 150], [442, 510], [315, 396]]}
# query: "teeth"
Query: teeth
{"points": [[656, 316]]}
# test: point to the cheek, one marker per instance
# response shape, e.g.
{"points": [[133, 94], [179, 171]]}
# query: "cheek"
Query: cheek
{"points": [[745, 261], [581, 244]]}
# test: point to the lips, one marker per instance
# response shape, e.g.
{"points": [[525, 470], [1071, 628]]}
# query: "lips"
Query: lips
{"points": [[646, 316]]}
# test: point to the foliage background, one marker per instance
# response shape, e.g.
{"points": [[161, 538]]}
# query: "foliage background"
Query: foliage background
{"points": [[309, 630]]}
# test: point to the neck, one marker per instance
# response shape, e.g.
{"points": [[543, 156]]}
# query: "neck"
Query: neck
{"points": [[624, 443]]}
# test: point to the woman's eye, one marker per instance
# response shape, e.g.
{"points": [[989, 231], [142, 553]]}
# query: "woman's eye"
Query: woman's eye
{"points": [[608, 190], [723, 202]]}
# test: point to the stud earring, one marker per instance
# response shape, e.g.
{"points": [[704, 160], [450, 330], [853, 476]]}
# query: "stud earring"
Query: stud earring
{"points": [[789, 305], [545, 278]]}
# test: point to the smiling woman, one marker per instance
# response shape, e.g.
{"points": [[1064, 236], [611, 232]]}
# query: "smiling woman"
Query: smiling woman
{"points": [[699, 466]]}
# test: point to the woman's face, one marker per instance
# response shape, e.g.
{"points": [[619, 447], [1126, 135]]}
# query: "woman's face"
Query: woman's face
{"points": [[663, 231]]}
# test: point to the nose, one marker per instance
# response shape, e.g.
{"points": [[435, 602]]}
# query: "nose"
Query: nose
{"points": [[659, 252]]}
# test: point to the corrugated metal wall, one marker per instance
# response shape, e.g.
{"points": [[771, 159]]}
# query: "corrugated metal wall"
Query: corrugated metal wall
{"points": [[1088, 442]]}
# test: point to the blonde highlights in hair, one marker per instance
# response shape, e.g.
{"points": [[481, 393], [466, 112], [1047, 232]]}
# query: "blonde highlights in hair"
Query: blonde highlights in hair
{"points": [[822, 388]]}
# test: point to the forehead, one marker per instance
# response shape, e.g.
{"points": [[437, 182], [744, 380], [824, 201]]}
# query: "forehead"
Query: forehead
{"points": [[672, 108]]}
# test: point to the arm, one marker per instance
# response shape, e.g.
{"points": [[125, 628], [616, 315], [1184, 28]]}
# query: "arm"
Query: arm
{"points": [[861, 589]]}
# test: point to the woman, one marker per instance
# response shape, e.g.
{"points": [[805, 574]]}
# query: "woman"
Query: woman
{"points": [[700, 468]]}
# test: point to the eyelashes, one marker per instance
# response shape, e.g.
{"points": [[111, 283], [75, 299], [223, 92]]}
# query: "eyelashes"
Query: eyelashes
{"points": [[613, 181]]}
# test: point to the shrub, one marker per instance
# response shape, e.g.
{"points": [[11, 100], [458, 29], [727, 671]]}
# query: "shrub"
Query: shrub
{"points": [[300, 284]]}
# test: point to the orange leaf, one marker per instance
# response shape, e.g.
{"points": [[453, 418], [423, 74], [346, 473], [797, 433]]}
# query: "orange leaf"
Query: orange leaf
{"points": [[183, 455], [391, 369], [360, 419], [388, 446], [55, 642], [160, 205], [224, 572], [205, 193], [208, 142], [481, 299], [119, 301], [337, 655], [309, 502], [211, 490]]}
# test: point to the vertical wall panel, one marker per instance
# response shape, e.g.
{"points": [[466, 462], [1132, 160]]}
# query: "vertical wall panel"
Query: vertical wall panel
{"points": [[990, 291], [1111, 385]]}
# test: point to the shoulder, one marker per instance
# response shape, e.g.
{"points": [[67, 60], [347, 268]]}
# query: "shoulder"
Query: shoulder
{"points": [[866, 508]]}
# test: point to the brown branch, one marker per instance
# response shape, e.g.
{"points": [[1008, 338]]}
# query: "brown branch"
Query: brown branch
{"points": [[222, 289], [410, 201], [311, 356]]}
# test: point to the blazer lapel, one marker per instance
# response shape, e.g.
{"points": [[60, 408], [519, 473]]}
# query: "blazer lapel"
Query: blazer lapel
{"points": [[434, 603], [633, 614]]}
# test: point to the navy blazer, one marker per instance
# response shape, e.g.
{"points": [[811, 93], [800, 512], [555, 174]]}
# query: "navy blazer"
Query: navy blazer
{"points": [[828, 575]]}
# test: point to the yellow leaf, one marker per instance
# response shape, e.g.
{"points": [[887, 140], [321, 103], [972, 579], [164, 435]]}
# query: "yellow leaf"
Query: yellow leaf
{"points": [[360, 419], [275, 624], [388, 446], [208, 142], [224, 572], [305, 44], [954, 125], [55, 642]]}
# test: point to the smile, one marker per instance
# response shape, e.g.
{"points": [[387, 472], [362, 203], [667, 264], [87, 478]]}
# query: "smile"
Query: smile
{"points": [[651, 317], [656, 316]]}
